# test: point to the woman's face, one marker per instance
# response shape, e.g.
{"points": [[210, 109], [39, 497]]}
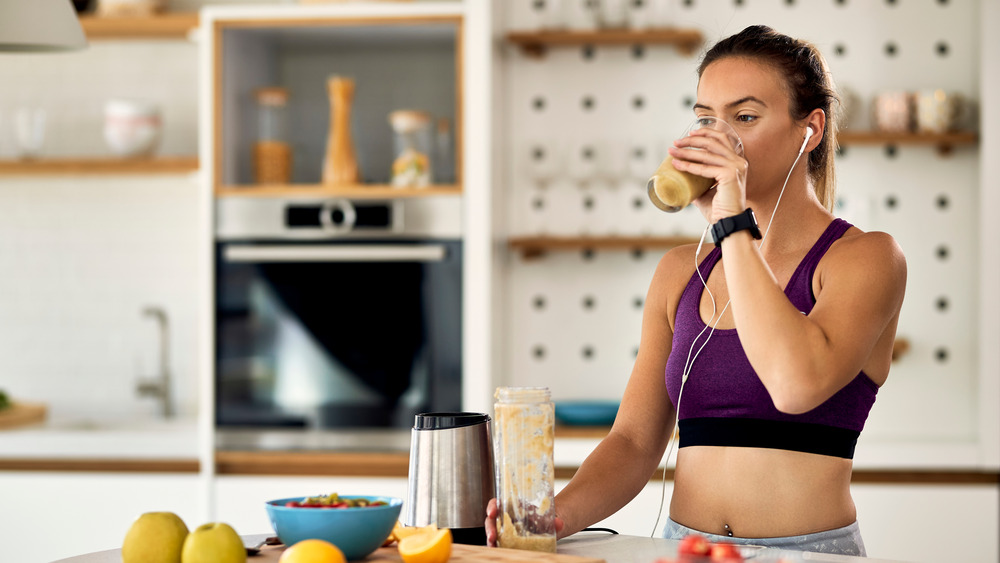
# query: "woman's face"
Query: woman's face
{"points": [[752, 97]]}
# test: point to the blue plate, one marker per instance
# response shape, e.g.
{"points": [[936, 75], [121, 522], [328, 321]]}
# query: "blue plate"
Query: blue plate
{"points": [[586, 413]]}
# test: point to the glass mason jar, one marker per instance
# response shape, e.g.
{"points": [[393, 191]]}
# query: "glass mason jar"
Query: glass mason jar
{"points": [[272, 154], [412, 165], [524, 425]]}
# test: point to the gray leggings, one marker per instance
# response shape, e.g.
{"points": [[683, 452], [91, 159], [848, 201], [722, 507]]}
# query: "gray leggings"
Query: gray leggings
{"points": [[842, 541]]}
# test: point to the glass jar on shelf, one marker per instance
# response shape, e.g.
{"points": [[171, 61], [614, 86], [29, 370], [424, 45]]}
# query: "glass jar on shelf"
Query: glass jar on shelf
{"points": [[413, 148], [272, 153], [524, 428]]}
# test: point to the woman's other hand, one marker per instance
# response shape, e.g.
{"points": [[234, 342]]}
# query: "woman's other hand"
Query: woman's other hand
{"points": [[491, 523]]}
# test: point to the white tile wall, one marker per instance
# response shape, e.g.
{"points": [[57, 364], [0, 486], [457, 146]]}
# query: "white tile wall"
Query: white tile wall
{"points": [[80, 258]]}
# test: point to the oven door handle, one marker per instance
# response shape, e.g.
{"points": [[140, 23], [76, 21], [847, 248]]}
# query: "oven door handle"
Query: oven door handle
{"points": [[335, 253]]}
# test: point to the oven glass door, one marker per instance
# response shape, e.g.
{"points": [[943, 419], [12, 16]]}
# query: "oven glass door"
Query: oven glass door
{"points": [[337, 334]]}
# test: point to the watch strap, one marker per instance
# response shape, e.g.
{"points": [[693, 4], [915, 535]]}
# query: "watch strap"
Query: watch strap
{"points": [[729, 225]]}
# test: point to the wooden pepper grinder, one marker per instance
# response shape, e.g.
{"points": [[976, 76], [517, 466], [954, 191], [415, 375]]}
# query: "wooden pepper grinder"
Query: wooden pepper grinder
{"points": [[341, 163]]}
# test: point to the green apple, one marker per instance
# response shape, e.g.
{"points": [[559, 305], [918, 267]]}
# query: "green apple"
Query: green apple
{"points": [[154, 537], [215, 542]]}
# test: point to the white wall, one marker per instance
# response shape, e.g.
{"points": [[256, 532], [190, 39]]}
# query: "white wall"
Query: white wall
{"points": [[82, 255], [572, 318]]}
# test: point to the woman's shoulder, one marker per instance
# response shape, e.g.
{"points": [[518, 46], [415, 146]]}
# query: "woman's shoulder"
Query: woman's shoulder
{"points": [[674, 271], [679, 262], [877, 243], [867, 251]]}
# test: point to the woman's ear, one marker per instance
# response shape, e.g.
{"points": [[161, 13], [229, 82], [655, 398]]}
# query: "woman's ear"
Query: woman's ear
{"points": [[816, 121]]}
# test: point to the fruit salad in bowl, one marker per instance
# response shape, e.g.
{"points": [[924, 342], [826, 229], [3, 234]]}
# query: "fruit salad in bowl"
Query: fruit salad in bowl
{"points": [[357, 524]]}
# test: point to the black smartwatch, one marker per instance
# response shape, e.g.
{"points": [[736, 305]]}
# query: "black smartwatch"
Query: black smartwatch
{"points": [[730, 225]]}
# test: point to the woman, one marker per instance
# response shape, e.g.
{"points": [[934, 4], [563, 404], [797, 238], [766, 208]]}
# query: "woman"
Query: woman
{"points": [[802, 333]]}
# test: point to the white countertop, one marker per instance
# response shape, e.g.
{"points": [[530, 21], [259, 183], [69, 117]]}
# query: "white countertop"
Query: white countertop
{"points": [[133, 439]]}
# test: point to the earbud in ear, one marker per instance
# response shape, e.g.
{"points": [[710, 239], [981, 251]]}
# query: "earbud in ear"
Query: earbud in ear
{"points": [[809, 134]]}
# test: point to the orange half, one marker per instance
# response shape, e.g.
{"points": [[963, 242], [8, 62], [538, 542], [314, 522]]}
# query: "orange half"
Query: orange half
{"points": [[429, 547]]}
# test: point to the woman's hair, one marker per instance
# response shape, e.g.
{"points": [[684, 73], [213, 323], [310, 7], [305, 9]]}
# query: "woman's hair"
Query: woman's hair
{"points": [[809, 83]]}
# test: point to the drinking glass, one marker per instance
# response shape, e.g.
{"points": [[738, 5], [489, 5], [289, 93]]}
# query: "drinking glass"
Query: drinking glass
{"points": [[672, 190], [29, 131], [543, 162], [582, 163]]}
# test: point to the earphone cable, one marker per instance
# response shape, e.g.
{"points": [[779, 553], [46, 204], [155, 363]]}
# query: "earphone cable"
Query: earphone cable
{"points": [[713, 322]]}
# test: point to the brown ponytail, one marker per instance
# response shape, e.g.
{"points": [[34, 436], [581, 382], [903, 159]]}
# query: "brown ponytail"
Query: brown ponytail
{"points": [[810, 86]]}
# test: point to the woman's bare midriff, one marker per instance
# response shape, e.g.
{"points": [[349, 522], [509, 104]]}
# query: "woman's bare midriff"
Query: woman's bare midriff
{"points": [[759, 493]]}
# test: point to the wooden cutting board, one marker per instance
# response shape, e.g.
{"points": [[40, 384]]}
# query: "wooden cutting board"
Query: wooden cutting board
{"points": [[20, 414], [459, 554]]}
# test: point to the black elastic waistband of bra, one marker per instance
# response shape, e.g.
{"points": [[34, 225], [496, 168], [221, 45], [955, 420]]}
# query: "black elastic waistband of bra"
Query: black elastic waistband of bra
{"points": [[776, 434]]}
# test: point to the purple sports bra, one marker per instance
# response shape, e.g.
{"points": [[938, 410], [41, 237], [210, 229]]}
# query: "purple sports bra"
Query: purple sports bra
{"points": [[725, 403]]}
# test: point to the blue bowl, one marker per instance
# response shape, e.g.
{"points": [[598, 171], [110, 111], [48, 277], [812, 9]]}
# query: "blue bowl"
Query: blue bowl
{"points": [[586, 413], [356, 531]]}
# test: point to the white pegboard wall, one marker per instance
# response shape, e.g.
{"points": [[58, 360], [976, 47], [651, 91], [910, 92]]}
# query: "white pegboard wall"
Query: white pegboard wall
{"points": [[586, 126]]}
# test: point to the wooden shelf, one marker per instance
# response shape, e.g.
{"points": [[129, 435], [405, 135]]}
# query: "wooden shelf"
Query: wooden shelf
{"points": [[535, 43], [97, 165], [534, 247], [170, 25], [365, 191], [944, 142]]}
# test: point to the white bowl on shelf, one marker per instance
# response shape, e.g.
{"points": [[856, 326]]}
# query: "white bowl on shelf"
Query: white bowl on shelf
{"points": [[131, 127]]}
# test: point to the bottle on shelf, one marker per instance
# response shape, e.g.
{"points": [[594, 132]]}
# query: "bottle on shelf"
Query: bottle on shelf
{"points": [[444, 155], [272, 154]]}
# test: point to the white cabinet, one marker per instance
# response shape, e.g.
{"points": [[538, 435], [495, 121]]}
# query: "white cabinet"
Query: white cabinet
{"points": [[50, 516], [930, 523]]}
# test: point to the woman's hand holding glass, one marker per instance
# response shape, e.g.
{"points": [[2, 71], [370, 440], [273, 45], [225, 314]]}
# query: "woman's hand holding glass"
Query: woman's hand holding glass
{"points": [[492, 513], [714, 151]]}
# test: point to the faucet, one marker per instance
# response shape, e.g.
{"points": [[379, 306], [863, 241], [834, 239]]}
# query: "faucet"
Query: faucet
{"points": [[159, 386]]}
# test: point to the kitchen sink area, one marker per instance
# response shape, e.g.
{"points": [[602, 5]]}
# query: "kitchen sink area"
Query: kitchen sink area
{"points": [[103, 438]]}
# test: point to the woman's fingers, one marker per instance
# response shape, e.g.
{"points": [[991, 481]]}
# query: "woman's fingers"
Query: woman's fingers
{"points": [[711, 154], [716, 142], [491, 523]]}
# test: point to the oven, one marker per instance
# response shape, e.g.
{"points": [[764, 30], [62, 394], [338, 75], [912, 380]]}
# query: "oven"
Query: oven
{"points": [[336, 313]]}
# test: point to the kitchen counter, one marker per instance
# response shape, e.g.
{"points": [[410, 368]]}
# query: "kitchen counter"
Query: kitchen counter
{"points": [[105, 445], [611, 548], [155, 445]]}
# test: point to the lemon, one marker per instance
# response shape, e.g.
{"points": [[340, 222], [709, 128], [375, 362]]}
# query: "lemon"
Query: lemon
{"points": [[427, 547], [312, 551]]}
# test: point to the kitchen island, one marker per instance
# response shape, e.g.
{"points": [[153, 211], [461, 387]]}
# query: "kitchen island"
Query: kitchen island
{"points": [[588, 546]]}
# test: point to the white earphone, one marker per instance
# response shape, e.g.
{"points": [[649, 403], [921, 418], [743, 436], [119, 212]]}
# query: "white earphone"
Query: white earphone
{"points": [[809, 134]]}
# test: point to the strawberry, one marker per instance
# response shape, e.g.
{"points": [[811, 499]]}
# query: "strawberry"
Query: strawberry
{"points": [[694, 544], [726, 552]]}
